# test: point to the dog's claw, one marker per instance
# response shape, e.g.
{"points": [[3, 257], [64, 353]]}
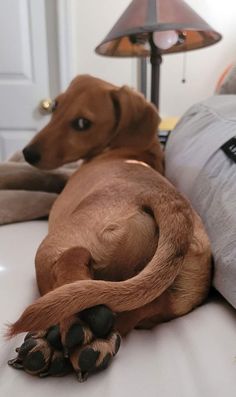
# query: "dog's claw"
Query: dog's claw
{"points": [[82, 377], [18, 366], [13, 360], [44, 375], [66, 352], [16, 363]]}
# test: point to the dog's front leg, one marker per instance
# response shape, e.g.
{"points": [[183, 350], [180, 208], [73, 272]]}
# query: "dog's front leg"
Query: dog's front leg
{"points": [[87, 337]]}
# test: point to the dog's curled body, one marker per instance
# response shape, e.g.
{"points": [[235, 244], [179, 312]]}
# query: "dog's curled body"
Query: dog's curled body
{"points": [[150, 257], [106, 218], [122, 225]]}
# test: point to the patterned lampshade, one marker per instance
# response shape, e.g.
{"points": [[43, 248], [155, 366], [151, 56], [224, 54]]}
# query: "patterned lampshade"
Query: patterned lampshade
{"points": [[185, 29]]}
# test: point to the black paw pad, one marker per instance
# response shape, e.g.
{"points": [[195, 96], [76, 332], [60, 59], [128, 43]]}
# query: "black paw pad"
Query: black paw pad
{"points": [[26, 346], [34, 362], [75, 336], [33, 356], [59, 365], [54, 337], [38, 358], [100, 319], [87, 359]]}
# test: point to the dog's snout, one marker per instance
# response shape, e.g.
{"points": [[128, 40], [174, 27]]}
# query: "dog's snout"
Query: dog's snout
{"points": [[31, 155]]}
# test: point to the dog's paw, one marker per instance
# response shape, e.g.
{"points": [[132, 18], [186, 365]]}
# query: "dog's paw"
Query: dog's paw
{"points": [[85, 343], [95, 356], [90, 341], [81, 329], [38, 355]]}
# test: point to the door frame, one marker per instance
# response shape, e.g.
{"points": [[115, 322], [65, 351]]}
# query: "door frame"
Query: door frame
{"points": [[65, 41], [59, 17]]}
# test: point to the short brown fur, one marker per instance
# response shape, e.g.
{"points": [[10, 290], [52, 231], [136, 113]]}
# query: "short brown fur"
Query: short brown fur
{"points": [[119, 234]]}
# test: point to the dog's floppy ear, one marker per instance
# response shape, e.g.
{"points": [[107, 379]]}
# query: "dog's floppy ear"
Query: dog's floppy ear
{"points": [[137, 119]]}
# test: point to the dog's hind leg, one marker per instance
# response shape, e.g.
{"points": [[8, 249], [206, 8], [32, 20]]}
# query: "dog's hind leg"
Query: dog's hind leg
{"points": [[42, 351], [147, 316], [84, 342]]}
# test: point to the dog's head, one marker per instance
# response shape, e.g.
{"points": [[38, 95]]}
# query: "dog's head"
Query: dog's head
{"points": [[90, 116]]}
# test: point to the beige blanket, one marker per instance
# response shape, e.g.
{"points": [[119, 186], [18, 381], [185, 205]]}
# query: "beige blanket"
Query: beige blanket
{"points": [[27, 193]]}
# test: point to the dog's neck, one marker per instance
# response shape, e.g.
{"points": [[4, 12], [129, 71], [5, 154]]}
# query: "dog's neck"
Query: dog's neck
{"points": [[152, 155]]}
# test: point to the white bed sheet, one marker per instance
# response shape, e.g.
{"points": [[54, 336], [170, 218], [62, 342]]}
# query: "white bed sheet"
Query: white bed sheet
{"points": [[193, 356]]}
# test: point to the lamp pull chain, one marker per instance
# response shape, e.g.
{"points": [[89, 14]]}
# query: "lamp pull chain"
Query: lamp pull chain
{"points": [[184, 67]]}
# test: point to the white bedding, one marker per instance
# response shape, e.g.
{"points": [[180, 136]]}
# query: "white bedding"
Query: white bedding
{"points": [[194, 356]]}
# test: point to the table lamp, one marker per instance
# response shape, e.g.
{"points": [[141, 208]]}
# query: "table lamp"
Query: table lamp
{"points": [[152, 28]]}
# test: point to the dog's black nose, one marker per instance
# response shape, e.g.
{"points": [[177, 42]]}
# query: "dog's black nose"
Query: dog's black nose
{"points": [[31, 155]]}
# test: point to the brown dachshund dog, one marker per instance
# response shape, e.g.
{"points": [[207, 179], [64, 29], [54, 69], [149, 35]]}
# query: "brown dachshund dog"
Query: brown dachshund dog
{"points": [[124, 249]]}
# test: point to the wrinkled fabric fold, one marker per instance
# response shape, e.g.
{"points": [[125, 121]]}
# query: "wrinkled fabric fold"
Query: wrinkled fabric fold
{"points": [[27, 193]]}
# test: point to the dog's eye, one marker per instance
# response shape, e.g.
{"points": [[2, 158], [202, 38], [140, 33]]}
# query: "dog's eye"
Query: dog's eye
{"points": [[81, 124]]}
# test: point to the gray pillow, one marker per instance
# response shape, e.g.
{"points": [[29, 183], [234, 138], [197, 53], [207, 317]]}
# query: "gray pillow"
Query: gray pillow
{"points": [[196, 164]]}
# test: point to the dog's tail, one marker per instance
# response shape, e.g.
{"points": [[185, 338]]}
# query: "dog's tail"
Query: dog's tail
{"points": [[175, 222]]}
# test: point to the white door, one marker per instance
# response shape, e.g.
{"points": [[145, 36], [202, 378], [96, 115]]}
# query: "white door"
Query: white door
{"points": [[24, 71]]}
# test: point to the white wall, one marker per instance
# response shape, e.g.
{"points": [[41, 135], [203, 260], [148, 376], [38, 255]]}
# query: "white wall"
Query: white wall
{"points": [[203, 66], [93, 19]]}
